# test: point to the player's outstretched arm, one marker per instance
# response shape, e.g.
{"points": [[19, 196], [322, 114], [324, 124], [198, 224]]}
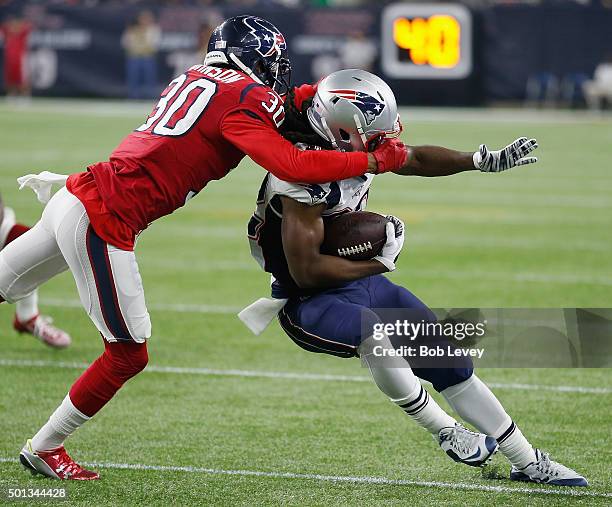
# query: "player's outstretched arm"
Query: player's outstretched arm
{"points": [[303, 233], [256, 138], [438, 161]]}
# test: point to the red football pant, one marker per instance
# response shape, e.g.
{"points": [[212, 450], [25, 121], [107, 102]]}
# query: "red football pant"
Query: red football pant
{"points": [[99, 383]]}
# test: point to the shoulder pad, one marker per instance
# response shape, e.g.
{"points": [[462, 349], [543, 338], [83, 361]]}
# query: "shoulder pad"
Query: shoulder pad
{"points": [[264, 102], [306, 193]]}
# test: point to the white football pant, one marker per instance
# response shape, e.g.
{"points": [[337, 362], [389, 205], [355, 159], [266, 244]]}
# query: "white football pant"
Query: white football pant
{"points": [[107, 278]]}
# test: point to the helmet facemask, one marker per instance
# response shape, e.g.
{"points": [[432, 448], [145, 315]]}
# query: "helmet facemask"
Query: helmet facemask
{"points": [[277, 75], [373, 140]]}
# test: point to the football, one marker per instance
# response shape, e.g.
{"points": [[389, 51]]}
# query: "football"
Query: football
{"points": [[357, 236]]}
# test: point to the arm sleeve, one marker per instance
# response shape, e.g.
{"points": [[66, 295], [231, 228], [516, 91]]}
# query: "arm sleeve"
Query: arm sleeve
{"points": [[255, 137]]}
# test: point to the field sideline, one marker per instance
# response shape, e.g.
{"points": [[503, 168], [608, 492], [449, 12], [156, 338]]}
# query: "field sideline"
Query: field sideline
{"points": [[222, 417]]}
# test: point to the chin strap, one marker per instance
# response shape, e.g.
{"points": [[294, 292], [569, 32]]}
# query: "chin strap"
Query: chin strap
{"points": [[359, 126], [245, 69], [216, 57], [328, 131]]}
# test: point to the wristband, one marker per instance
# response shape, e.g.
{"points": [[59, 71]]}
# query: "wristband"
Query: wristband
{"points": [[476, 159]]}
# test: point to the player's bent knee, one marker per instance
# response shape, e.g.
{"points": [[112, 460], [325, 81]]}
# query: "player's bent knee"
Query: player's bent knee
{"points": [[4, 293], [14, 293], [139, 360], [370, 322], [443, 378], [140, 328], [397, 383], [10, 288], [134, 329], [127, 359]]}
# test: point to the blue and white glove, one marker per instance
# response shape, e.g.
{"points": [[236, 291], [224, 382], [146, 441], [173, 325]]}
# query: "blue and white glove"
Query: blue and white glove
{"points": [[395, 241], [514, 154]]}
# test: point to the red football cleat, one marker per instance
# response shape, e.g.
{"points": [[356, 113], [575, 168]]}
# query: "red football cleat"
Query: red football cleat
{"points": [[55, 464], [41, 328]]}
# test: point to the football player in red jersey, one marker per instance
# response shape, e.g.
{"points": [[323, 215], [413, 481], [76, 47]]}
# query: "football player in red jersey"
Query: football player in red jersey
{"points": [[205, 122]]}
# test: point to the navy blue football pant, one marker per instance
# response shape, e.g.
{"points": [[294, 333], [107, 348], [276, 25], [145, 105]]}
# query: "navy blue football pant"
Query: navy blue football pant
{"points": [[330, 322]]}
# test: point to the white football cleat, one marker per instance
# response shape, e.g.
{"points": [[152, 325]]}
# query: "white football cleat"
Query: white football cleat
{"points": [[546, 471], [40, 327], [465, 446]]}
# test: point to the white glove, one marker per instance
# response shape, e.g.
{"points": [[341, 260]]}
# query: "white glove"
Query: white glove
{"points": [[42, 183], [395, 241], [512, 155]]}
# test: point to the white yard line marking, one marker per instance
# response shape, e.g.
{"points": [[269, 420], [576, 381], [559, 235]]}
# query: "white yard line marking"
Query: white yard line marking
{"points": [[125, 108], [178, 307], [215, 266], [503, 115], [507, 200], [417, 238], [77, 107], [234, 266], [179, 370], [345, 478], [561, 278], [559, 389]]}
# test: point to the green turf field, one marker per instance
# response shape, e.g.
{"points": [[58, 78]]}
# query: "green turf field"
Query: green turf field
{"points": [[198, 428]]}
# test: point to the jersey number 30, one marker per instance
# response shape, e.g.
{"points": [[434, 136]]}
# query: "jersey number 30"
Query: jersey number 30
{"points": [[180, 106]]}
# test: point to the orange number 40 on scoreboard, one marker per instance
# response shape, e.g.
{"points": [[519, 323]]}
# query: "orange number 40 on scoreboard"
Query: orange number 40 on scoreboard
{"points": [[427, 41]]}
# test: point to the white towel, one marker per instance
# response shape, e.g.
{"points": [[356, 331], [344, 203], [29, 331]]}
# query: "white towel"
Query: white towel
{"points": [[42, 183], [259, 314]]}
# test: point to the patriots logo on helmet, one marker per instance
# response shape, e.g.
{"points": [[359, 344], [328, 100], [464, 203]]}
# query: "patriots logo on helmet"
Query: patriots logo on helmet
{"points": [[270, 41], [370, 106]]}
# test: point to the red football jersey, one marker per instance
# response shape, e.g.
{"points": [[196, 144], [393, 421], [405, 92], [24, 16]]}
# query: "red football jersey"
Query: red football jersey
{"points": [[204, 123]]}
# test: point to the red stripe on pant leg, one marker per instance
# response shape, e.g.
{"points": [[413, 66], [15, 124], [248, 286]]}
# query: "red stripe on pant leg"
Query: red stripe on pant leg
{"points": [[16, 231], [119, 362]]}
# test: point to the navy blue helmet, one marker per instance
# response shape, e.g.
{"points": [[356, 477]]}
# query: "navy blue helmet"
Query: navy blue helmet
{"points": [[254, 46]]}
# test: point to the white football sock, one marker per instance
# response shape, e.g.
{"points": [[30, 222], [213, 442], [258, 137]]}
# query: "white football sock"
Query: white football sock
{"points": [[425, 411], [63, 422], [404, 389], [515, 446], [27, 308], [476, 404]]}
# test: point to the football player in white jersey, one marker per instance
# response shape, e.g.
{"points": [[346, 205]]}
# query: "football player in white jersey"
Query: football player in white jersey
{"points": [[28, 319], [323, 301]]}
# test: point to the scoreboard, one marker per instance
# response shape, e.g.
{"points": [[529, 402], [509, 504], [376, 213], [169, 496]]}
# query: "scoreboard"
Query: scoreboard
{"points": [[427, 41]]}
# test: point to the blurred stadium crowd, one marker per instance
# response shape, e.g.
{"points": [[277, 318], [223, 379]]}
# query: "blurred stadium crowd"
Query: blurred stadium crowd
{"points": [[244, 3], [291, 3], [545, 53]]}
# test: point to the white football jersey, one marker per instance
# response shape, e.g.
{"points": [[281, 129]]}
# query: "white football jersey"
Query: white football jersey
{"points": [[264, 228]]}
